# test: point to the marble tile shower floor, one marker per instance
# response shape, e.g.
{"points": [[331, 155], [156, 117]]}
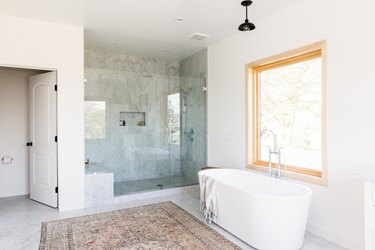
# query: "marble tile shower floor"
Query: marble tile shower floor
{"points": [[130, 187]]}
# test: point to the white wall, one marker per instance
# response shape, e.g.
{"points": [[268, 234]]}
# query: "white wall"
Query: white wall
{"points": [[14, 130], [348, 27], [37, 44]]}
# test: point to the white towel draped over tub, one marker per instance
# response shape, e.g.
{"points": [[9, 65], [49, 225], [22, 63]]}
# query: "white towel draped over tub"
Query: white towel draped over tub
{"points": [[208, 196]]}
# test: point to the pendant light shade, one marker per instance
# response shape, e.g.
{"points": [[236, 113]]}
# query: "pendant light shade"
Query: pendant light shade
{"points": [[246, 26]]}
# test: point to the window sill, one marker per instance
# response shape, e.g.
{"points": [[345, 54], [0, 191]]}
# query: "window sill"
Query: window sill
{"points": [[322, 181]]}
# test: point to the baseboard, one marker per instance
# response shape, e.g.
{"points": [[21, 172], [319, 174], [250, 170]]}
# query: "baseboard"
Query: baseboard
{"points": [[13, 192], [335, 237]]}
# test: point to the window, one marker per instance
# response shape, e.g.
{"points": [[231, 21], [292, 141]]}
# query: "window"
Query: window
{"points": [[174, 117], [288, 97], [94, 120]]}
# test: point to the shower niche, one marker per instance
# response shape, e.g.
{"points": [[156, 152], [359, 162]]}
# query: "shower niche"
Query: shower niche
{"points": [[132, 119]]}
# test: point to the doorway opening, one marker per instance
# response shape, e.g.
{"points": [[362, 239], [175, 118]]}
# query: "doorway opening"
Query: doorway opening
{"points": [[28, 132]]}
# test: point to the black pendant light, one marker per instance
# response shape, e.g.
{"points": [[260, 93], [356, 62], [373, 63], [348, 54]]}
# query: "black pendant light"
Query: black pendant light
{"points": [[246, 26]]}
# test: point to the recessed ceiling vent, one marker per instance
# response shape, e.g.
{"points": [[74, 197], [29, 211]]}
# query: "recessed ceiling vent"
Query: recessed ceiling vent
{"points": [[199, 36]]}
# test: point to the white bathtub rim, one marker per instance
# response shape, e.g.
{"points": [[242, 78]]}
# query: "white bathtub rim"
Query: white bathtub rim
{"points": [[274, 197], [306, 195]]}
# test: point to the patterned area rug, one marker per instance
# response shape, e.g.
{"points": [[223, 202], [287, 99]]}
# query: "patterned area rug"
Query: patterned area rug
{"points": [[157, 226]]}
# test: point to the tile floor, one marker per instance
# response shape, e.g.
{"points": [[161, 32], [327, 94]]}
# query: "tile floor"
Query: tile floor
{"points": [[20, 220], [131, 187]]}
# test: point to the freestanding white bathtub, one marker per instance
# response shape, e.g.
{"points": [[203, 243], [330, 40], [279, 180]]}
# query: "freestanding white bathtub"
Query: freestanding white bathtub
{"points": [[265, 212]]}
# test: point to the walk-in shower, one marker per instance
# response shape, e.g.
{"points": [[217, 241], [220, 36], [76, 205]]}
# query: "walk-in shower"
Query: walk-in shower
{"points": [[144, 121]]}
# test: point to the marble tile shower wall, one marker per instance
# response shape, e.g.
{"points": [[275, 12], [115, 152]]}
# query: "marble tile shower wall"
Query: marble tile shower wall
{"points": [[125, 63], [132, 84], [194, 66], [193, 73]]}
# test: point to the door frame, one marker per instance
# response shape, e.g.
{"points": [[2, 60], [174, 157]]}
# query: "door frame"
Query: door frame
{"points": [[48, 69]]}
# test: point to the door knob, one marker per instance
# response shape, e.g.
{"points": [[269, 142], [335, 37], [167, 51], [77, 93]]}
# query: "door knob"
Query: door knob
{"points": [[29, 144]]}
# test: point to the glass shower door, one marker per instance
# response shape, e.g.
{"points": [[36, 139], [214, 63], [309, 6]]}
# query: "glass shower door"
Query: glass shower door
{"points": [[174, 126], [191, 132]]}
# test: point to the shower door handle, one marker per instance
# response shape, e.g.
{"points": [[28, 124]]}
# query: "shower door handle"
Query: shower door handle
{"points": [[172, 139]]}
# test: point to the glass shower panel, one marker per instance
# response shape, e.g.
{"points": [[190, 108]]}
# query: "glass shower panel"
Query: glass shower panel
{"points": [[132, 138], [146, 135], [149, 130]]}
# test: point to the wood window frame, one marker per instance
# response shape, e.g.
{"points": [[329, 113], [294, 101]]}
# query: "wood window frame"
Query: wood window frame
{"points": [[315, 50]]}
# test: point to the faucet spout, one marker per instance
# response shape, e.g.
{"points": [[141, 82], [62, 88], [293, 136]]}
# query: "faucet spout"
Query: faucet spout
{"points": [[275, 147]]}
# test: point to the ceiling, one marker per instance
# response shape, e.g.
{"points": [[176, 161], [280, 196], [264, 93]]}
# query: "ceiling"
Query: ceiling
{"points": [[147, 27]]}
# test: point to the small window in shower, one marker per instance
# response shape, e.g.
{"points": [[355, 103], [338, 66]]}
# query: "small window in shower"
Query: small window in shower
{"points": [[174, 118], [95, 120]]}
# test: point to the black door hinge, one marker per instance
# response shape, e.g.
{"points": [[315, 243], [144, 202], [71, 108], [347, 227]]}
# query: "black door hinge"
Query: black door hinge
{"points": [[56, 190], [55, 87], [55, 138]]}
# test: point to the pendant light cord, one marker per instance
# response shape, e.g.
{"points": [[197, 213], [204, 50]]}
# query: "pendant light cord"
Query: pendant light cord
{"points": [[246, 12]]}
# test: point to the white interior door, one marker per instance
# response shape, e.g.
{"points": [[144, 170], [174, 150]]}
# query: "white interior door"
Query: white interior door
{"points": [[42, 144]]}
